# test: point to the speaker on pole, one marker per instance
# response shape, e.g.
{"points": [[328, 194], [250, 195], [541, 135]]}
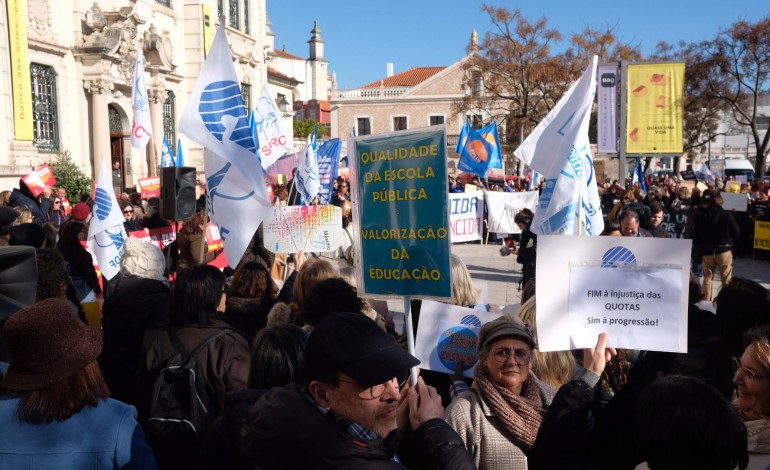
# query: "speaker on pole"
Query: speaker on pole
{"points": [[177, 192]]}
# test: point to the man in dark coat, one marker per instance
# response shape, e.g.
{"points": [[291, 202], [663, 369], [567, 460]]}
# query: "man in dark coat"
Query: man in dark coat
{"points": [[714, 233], [351, 413], [39, 206]]}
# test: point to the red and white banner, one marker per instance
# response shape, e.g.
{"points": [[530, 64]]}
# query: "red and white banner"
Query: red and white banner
{"points": [[40, 179], [149, 187]]}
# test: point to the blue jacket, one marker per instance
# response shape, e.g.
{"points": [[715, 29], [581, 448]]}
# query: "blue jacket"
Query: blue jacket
{"points": [[103, 437]]}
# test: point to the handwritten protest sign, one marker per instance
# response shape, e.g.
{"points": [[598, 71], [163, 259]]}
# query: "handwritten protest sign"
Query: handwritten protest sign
{"points": [[40, 179], [447, 334], [466, 216], [149, 187], [503, 207], [313, 229], [635, 289], [401, 200]]}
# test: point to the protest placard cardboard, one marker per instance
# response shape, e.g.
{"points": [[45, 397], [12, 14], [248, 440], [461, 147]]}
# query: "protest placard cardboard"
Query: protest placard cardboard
{"points": [[503, 207], [149, 187], [400, 199], [448, 333], [313, 229], [466, 216], [734, 201], [634, 289], [40, 179]]}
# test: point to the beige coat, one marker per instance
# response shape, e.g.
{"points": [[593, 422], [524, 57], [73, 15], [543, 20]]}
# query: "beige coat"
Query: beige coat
{"points": [[483, 432], [758, 443]]}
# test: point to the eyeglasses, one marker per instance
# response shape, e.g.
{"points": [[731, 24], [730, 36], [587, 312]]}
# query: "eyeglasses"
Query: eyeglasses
{"points": [[748, 374], [128, 212], [376, 391], [57, 202], [522, 357]]}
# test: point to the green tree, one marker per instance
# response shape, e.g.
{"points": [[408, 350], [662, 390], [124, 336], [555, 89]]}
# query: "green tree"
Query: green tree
{"points": [[304, 127], [69, 176]]}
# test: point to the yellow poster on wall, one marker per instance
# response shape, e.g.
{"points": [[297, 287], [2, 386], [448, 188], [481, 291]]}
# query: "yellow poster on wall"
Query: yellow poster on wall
{"points": [[20, 78], [208, 29], [655, 108]]}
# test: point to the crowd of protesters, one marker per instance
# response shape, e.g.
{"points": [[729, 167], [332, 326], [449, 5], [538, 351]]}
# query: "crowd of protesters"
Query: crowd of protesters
{"points": [[298, 371]]}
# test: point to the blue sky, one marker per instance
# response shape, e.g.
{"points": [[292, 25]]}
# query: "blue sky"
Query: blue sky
{"points": [[362, 36]]}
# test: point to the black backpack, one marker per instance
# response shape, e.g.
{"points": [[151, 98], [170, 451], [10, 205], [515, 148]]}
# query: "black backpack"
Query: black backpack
{"points": [[180, 410]]}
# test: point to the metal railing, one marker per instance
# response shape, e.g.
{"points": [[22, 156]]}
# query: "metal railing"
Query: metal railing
{"points": [[368, 93]]}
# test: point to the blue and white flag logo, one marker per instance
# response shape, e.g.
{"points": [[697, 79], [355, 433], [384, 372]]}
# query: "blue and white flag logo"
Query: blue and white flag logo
{"points": [[270, 133], [167, 159], [106, 234], [559, 149], [221, 107], [216, 118]]}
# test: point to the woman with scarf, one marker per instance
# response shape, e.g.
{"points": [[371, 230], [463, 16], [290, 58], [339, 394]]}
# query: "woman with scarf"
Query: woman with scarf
{"points": [[500, 416]]}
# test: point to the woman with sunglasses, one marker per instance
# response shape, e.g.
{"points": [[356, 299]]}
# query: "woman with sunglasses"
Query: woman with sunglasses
{"points": [[130, 221], [56, 213], [500, 416]]}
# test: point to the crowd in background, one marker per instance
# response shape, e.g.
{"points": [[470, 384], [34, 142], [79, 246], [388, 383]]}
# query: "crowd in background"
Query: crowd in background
{"points": [[285, 379]]}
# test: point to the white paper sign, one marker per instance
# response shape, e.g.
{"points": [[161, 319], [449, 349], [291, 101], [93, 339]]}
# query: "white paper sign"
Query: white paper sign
{"points": [[448, 333], [503, 207], [573, 266], [466, 216], [312, 229], [734, 201], [635, 306]]}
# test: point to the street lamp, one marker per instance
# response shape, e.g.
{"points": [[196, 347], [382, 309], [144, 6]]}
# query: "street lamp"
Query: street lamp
{"points": [[283, 105]]}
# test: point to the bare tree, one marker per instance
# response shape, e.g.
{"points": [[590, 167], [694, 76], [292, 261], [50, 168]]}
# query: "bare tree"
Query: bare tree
{"points": [[736, 67]]}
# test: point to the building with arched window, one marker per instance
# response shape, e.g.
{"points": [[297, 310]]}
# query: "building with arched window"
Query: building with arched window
{"points": [[69, 88]]}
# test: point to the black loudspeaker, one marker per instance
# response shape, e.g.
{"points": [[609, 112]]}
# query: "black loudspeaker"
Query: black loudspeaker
{"points": [[177, 192], [18, 284]]}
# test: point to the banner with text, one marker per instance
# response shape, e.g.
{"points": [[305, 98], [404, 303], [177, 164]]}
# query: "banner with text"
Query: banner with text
{"points": [[399, 185], [149, 187], [466, 216], [655, 108], [607, 113], [40, 179], [21, 81], [616, 285], [312, 229], [761, 235], [503, 207]]}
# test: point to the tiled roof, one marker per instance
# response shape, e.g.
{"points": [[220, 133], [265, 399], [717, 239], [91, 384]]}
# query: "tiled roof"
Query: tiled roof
{"points": [[276, 73], [410, 77], [285, 55]]}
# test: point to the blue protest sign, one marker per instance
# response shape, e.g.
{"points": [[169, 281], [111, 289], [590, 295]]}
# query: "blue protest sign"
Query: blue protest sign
{"points": [[402, 203]]}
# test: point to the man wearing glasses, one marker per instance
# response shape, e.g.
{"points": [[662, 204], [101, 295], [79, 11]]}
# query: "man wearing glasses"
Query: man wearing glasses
{"points": [[356, 409]]}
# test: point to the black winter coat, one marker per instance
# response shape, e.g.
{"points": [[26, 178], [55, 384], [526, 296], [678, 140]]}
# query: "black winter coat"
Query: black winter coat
{"points": [[132, 306]]}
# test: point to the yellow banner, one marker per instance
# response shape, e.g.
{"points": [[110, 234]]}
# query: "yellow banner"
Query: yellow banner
{"points": [[208, 29], [655, 109], [20, 78], [761, 235]]}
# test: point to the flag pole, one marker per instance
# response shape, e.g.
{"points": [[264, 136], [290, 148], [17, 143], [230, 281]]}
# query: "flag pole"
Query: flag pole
{"points": [[622, 162], [410, 335]]}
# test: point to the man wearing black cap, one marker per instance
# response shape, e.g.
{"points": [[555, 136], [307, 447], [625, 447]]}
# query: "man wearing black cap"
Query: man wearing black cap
{"points": [[351, 412], [714, 232]]}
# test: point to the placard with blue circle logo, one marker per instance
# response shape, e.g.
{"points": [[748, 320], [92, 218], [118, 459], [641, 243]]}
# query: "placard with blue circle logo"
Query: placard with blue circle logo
{"points": [[447, 335], [633, 289]]}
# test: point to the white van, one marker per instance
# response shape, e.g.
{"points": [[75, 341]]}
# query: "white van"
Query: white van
{"points": [[738, 166]]}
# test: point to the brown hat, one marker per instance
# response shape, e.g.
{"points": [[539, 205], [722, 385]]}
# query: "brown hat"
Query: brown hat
{"points": [[507, 326], [47, 343]]}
